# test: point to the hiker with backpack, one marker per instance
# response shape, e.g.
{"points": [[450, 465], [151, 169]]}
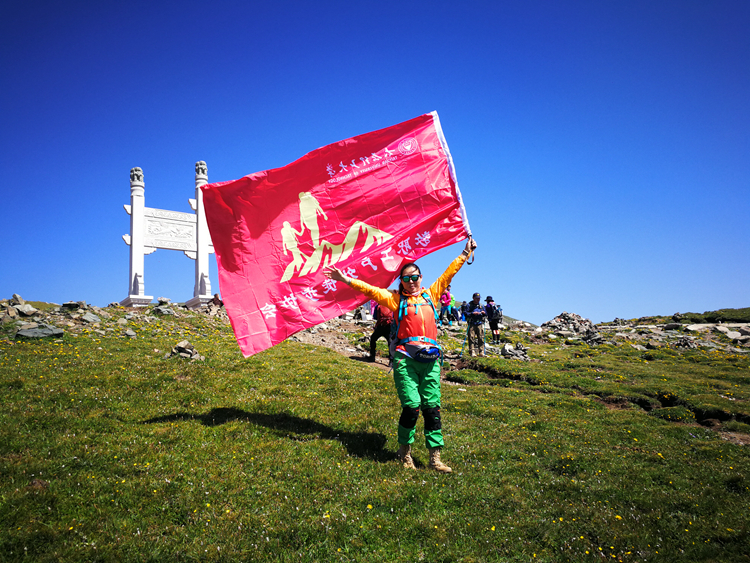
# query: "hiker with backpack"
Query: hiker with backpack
{"points": [[383, 323], [495, 317], [417, 357], [475, 315]]}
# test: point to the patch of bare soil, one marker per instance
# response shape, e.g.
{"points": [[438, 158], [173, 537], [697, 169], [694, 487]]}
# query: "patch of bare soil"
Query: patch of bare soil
{"points": [[736, 438], [615, 403], [333, 335]]}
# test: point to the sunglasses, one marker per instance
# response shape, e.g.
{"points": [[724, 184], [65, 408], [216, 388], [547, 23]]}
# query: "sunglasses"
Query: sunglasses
{"points": [[413, 277]]}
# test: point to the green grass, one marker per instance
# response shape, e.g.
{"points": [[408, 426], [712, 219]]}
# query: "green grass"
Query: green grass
{"points": [[110, 452]]}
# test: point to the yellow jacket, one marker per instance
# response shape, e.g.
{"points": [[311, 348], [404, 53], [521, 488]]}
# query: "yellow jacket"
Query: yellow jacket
{"points": [[419, 319]]}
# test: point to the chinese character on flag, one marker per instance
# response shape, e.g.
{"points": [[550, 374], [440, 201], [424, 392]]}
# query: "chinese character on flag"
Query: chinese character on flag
{"points": [[367, 204]]}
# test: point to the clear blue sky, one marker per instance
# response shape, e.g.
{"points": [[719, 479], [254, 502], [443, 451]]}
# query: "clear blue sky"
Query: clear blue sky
{"points": [[602, 147]]}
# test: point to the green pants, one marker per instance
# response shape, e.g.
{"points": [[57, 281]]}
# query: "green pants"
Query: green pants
{"points": [[418, 386]]}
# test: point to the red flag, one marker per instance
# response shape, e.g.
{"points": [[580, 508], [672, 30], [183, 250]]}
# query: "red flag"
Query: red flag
{"points": [[367, 204]]}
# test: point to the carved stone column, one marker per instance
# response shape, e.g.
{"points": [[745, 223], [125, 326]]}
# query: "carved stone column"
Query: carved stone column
{"points": [[202, 289], [136, 288]]}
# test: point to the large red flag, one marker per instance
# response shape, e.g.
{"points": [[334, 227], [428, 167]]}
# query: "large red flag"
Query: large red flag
{"points": [[367, 204]]}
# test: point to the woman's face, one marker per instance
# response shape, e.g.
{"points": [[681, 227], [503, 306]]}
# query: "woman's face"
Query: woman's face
{"points": [[411, 286]]}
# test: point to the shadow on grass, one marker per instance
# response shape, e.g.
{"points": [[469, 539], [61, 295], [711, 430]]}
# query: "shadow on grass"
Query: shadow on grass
{"points": [[359, 444]]}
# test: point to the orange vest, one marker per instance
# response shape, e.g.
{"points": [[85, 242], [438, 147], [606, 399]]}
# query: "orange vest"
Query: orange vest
{"points": [[418, 319]]}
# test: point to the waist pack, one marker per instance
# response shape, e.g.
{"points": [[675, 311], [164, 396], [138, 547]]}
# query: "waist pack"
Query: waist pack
{"points": [[425, 355]]}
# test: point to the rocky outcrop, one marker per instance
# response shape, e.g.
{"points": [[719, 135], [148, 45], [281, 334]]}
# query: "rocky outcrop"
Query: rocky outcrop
{"points": [[184, 349]]}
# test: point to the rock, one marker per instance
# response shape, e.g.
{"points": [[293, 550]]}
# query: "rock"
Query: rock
{"points": [[516, 353], [90, 318], [744, 331], [185, 350], [653, 344], [163, 311], [130, 334], [42, 331], [73, 305], [732, 334], [28, 326], [721, 329], [113, 305], [26, 309], [639, 347], [122, 321], [592, 338], [164, 300], [17, 300], [568, 322], [685, 342], [672, 326]]}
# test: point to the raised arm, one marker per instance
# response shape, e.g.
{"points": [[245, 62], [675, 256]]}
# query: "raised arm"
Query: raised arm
{"points": [[382, 296], [437, 288]]}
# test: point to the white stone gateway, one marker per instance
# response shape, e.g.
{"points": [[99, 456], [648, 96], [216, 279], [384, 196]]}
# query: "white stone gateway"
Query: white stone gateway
{"points": [[171, 230]]}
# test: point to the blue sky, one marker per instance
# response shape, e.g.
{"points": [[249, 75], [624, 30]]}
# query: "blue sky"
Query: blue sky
{"points": [[602, 148]]}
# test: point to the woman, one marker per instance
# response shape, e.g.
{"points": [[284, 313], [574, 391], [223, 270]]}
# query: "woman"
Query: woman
{"points": [[416, 365]]}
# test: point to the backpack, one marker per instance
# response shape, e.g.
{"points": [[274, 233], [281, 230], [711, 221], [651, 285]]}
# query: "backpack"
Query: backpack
{"points": [[496, 313], [402, 308]]}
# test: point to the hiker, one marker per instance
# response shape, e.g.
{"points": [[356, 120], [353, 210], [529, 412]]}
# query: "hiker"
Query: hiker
{"points": [[495, 317], [475, 315], [383, 321], [464, 307], [416, 361], [445, 306]]}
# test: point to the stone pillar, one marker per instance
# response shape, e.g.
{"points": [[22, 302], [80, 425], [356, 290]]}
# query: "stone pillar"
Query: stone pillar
{"points": [[202, 289], [136, 288]]}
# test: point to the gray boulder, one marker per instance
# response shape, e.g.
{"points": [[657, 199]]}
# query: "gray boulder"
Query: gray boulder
{"points": [[515, 353], [26, 309], [42, 331], [90, 318], [163, 311]]}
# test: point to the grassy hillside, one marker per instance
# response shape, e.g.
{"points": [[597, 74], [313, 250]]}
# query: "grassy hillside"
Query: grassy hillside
{"points": [[111, 452]]}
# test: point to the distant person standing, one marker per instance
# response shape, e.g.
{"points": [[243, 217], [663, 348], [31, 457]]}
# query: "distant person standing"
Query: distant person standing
{"points": [[495, 317], [445, 305], [475, 315], [383, 321], [464, 307]]}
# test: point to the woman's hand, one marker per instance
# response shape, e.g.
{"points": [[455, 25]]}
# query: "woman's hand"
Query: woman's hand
{"points": [[333, 273], [471, 244]]}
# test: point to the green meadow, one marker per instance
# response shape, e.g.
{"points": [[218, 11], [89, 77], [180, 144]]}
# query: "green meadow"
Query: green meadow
{"points": [[111, 452]]}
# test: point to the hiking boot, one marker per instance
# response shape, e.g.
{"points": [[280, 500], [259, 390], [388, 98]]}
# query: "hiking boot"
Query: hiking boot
{"points": [[435, 462], [473, 354], [404, 455]]}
